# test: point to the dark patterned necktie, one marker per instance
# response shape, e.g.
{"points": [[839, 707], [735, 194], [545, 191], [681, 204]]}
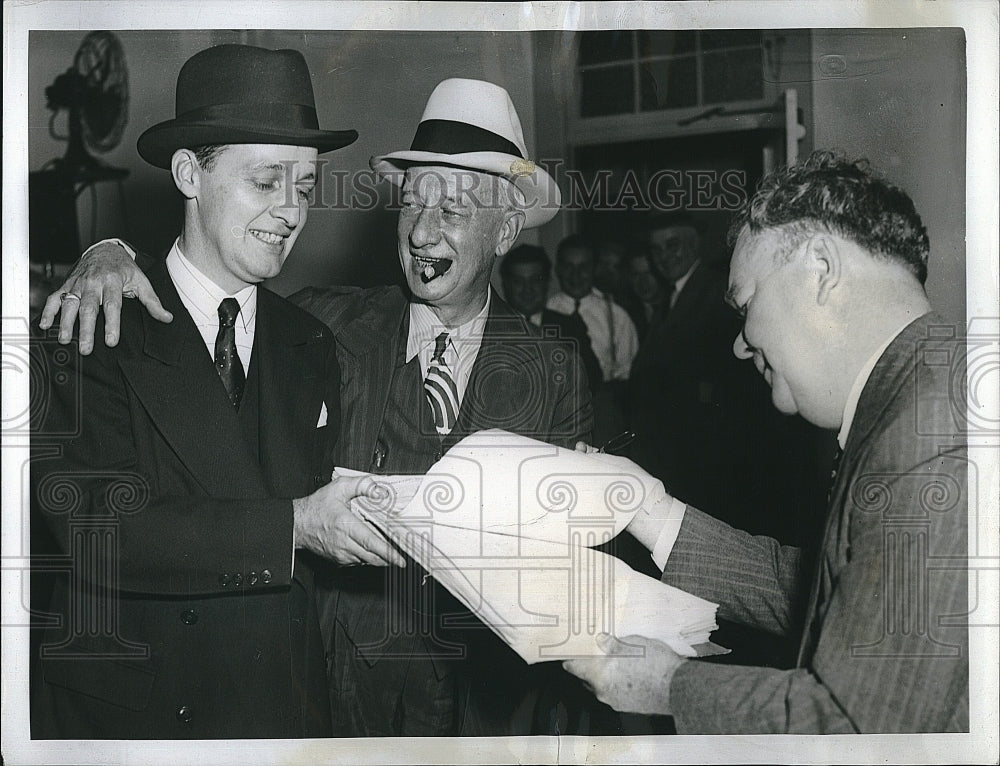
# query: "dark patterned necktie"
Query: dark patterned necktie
{"points": [[227, 361], [441, 389]]}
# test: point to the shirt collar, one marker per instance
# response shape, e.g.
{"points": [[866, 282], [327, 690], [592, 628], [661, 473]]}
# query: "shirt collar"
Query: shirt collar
{"points": [[679, 284], [425, 327], [200, 295], [851, 407]]}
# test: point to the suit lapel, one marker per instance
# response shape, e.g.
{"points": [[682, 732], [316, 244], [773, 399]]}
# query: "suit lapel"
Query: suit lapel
{"points": [[175, 380], [689, 298], [885, 381], [291, 370], [502, 325], [370, 349]]}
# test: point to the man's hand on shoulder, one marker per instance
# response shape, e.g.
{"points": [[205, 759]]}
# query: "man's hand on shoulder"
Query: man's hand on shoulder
{"points": [[101, 278], [325, 524]]}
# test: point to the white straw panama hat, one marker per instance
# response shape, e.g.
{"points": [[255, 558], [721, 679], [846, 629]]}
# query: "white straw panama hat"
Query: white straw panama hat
{"points": [[473, 124]]}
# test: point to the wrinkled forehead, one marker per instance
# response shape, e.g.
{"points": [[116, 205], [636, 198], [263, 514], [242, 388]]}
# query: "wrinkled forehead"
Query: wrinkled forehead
{"points": [[435, 184]]}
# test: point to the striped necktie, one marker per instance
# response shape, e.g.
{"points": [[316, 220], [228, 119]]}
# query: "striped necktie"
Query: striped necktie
{"points": [[440, 387]]}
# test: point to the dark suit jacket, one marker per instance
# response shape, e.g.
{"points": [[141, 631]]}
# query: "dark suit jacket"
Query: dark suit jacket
{"points": [[883, 648], [521, 393], [573, 328], [214, 636], [521, 381], [700, 416]]}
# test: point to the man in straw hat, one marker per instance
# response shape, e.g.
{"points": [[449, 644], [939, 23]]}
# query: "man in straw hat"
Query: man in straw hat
{"points": [[182, 489], [423, 366]]}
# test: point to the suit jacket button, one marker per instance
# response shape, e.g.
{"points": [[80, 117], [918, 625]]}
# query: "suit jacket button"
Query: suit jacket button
{"points": [[184, 714], [224, 580], [189, 617], [238, 579], [318, 480], [265, 576], [252, 578]]}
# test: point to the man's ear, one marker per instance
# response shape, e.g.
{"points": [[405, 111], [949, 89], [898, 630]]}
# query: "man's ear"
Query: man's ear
{"points": [[186, 172], [824, 255], [512, 224]]}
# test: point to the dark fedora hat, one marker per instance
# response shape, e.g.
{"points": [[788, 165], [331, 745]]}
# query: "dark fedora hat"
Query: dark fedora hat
{"points": [[240, 94]]}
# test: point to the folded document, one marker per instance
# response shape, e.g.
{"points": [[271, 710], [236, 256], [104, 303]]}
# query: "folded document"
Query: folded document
{"points": [[507, 524]]}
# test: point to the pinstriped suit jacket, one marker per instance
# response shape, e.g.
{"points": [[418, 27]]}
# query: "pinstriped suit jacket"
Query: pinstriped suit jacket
{"points": [[519, 382], [884, 647]]}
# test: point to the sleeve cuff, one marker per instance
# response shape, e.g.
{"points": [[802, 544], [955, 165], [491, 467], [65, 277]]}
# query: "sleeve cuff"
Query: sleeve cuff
{"points": [[113, 240], [668, 534]]}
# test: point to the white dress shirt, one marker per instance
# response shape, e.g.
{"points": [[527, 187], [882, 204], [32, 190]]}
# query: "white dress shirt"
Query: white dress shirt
{"points": [[463, 345], [861, 381], [201, 297], [613, 336]]}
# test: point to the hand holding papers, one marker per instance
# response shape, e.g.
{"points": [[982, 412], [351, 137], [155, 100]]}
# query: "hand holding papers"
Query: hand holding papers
{"points": [[506, 523]]}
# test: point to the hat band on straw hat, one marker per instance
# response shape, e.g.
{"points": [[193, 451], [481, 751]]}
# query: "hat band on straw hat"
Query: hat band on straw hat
{"points": [[293, 116], [452, 137]]}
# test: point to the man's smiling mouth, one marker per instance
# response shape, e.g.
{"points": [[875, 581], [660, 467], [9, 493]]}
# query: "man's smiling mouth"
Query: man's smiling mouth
{"points": [[268, 238]]}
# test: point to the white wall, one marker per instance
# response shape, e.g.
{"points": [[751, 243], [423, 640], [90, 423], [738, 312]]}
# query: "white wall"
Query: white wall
{"points": [[375, 82], [900, 101]]}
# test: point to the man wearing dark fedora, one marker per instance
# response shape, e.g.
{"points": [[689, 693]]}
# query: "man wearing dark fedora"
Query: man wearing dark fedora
{"points": [[423, 366], [178, 475]]}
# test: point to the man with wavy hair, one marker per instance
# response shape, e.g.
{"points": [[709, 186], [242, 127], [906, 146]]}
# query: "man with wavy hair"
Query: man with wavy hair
{"points": [[828, 275]]}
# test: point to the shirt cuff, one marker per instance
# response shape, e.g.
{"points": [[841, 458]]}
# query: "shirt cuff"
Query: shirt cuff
{"points": [[113, 240], [668, 534]]}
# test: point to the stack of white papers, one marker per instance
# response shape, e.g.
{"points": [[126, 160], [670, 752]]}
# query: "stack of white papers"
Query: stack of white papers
{"points": [[507, 524]]}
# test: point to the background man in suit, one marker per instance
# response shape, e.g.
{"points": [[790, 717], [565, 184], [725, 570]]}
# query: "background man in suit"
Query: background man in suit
{"points": [[468, 189], [828, 275], [194, 469], [645, 288], [700, 414], [611, 277], [526, 273], [683, 377], [612, 335]]}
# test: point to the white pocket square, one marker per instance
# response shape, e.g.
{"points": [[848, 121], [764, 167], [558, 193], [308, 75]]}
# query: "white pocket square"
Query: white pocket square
{"points": [[322, 417]]}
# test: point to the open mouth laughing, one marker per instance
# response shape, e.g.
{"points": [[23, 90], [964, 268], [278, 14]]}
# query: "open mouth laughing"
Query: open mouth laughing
{"points": [[432, 268]]}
